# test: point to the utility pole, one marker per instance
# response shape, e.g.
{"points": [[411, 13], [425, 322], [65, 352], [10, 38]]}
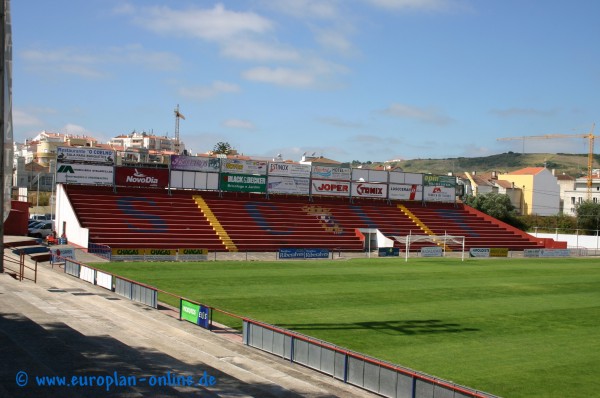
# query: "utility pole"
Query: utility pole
{"points": [[5, 116]]}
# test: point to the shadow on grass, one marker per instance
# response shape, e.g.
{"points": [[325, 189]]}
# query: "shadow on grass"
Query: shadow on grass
{"points": [[405, 327]]}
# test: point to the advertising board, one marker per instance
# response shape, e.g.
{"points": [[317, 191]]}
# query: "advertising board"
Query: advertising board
{"points": [[85, 155], [89, 174], [303, 253], [369, 190], [195, 313], [141, 177], [405, 192], [243, 183], [331, 173], [439, 181], [439, 194], [239, 166], [330, 188], [431, 251], [389, 252], [288, 185], [289, 169], [195, 163], [192, 254]]}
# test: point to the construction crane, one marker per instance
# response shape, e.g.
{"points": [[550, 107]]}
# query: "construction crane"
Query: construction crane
{"points": [[177, 117], [590, 136]]}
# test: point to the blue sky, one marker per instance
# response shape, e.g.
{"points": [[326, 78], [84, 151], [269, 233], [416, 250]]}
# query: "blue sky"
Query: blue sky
{"points": [[348, 79]]}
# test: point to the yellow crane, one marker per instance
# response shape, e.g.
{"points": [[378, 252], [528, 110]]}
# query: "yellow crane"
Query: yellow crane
{"points": [[590, 136]]}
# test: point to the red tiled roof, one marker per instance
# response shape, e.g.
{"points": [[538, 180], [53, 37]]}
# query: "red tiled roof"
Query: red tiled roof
{"points": [[527, 171]]}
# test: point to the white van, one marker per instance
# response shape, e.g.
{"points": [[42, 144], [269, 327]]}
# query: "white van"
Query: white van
{"points": [[41, 229]]}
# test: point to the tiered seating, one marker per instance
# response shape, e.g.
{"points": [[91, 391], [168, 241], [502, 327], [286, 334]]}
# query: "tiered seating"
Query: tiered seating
{"points": [[255, 223], [252, 222], [142, 218], [443, 218]]}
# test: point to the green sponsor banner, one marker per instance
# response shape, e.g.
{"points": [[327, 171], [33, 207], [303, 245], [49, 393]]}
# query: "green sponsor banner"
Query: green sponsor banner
{"points": [[243, 183], [439, 181], [189, 311]]}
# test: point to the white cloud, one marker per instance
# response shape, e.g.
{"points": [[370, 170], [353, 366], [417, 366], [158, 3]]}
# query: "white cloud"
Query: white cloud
{"points": [[257, 51], [280, 76], [418, 5], [239, 124], [214, 24], [23, 118], [205, 92], [424, 115], [76, 129], [336, 122], [334, 39], [82, 63], [523, 112], [321, 9]]}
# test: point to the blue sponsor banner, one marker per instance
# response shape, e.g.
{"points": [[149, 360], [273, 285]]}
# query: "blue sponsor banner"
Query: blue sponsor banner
{"points": [[303, 253], [204, 317], [389, 252]]}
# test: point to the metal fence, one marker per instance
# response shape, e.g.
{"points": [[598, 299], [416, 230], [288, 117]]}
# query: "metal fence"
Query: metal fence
{"points": [[371, 374], [127, 288]]}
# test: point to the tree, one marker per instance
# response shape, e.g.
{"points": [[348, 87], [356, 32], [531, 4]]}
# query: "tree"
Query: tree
{"points": [[495, 205], [588, 216], [222, 148]]}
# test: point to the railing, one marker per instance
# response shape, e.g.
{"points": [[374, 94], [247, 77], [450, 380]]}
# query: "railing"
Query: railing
{"points": [[371, 374], [19, 267]]}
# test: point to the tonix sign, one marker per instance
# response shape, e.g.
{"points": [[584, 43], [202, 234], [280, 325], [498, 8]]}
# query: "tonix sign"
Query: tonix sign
{"points": [[141, 177]]}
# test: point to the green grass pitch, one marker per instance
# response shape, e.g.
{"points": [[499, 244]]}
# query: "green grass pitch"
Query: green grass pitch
{"points": [[511, 327]]}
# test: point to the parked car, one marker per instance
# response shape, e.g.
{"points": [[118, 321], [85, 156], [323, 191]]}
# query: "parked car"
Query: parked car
{"points": [[41, 229], [39, 217]]}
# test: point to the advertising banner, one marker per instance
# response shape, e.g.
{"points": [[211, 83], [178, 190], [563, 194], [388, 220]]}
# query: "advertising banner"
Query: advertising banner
{"points": [[141, 177], [439, 181], [194, 313], [288, 185], [479, 252], [331, 173], [85, 155], [368, 190], [193, 254], [133, 254], [239, 166], [431, 251], [289, 169], [555, 253], [405, 192], [204, 317], [88, 174], [439, 194], [63, 253], [303, 253], [195, 163], [189, 311], [499, 252], [331, 188], [389, 252], [243, 183], [160, 254], [531, 253]]}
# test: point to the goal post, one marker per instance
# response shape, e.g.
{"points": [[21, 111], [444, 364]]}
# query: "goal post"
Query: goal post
{"points": [[439, 240]]}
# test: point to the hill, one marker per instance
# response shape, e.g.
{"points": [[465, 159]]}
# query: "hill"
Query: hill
{"points": [[571, 164]]}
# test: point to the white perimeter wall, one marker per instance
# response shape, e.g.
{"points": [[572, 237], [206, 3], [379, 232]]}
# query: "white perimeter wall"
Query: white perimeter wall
{"points": [[64, 213]]}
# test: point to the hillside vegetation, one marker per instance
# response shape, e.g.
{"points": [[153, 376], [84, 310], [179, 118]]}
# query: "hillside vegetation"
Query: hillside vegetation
{"points": [[571, 164]]}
